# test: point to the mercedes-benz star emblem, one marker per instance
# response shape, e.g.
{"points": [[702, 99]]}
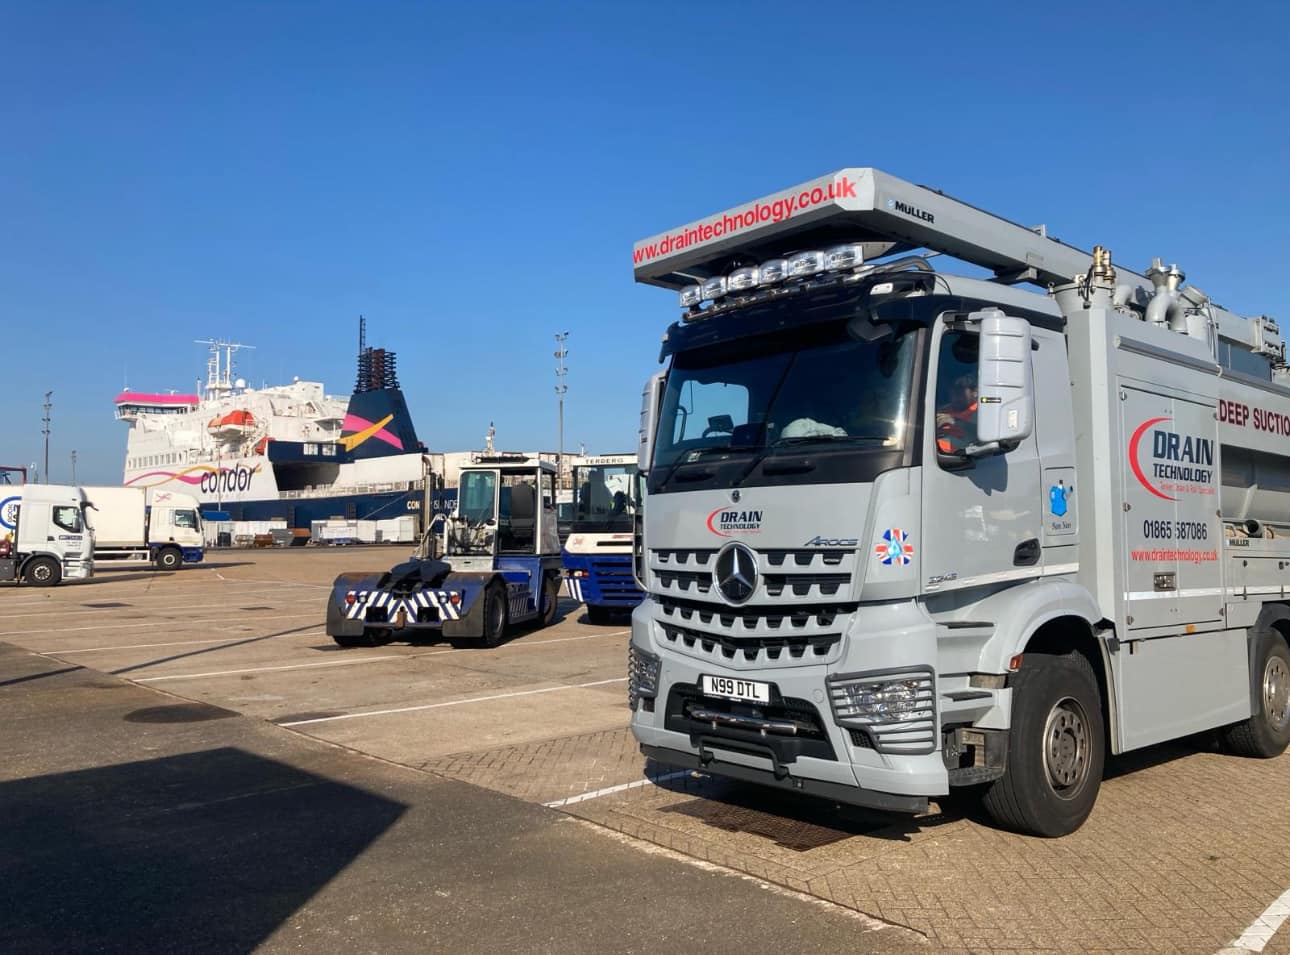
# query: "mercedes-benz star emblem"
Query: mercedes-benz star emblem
{"points": [[735, 573]]}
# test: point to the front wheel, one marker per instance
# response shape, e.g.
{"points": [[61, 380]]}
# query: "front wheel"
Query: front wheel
{"points": [[169, 559], [43, 572], [494, 615], [1267, 732], [1056, 748], [550, 601]]}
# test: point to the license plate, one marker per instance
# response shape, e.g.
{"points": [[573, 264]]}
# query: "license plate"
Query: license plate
{"points": [[748, 691]]}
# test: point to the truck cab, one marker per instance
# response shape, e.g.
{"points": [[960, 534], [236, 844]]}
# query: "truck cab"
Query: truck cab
{"points": [[495, 564], [598, 552], [47, 536]]}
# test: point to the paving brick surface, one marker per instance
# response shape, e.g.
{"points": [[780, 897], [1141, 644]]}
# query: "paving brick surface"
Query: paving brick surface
{"points": [[1183, 851]]}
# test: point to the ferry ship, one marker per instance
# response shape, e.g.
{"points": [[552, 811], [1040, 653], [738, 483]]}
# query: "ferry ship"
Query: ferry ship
{"points": [[288, 452]]}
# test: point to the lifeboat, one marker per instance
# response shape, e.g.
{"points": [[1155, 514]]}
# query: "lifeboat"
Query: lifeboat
{"points": [[235, 424]]}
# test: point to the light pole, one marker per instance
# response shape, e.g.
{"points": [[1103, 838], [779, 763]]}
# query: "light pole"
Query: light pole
{"points": [[561, 353], [73, 466], [45, 432]]}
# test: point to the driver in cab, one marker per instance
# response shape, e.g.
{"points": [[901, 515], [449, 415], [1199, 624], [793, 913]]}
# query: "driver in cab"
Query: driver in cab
{"points": [[956, 416]]}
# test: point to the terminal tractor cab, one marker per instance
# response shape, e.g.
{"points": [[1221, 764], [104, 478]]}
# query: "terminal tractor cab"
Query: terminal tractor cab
{"points": [[495, 563]]}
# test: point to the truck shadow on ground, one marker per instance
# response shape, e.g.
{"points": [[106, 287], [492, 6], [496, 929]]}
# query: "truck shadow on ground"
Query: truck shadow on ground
{"points": [[205, 852], [802, 823], [793, 821]]}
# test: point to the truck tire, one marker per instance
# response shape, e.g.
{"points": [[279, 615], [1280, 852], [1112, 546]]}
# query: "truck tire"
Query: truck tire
{"points": [[1267, 732], [494, 615], [43, 572], [600, 616], [168, 559], [550, 601], [336, 622], [1056, 748]]}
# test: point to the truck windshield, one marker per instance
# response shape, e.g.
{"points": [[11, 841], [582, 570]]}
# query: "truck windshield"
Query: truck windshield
{"points": [[782, 394], [604, 499]]}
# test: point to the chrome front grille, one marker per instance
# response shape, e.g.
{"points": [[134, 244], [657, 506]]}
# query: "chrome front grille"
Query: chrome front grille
{"points": [[748, 638], [802, 576]]}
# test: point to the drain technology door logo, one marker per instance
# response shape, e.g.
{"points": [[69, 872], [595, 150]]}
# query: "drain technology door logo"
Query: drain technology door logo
{"points": [[1181, 463]]}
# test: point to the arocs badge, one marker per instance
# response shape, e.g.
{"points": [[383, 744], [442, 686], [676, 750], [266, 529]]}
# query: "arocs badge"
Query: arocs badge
{"points": [[895, 548]]}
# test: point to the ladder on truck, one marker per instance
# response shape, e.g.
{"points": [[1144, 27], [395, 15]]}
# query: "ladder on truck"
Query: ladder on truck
{"points": [[889, 216]]}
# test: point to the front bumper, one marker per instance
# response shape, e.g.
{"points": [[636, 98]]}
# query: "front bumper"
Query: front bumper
{"points": [[818, 756]]}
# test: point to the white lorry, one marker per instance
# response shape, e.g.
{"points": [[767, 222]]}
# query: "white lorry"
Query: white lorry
{"points": [[134, 525], [910, 530], [44, 536]]}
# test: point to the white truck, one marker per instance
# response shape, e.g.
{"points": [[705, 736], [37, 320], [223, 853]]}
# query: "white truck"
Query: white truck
{"points": [[44, 536], [133, 525], [910, 531]]}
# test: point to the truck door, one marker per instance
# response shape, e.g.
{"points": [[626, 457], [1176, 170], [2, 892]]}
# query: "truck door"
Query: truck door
{"points": [[1171, 524], [981, 518]]}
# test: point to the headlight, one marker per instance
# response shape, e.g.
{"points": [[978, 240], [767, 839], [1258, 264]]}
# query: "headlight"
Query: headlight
{"points": [[642, 675]]}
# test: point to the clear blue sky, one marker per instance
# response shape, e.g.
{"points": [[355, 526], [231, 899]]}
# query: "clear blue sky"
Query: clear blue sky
{"points": [[471, 176]]}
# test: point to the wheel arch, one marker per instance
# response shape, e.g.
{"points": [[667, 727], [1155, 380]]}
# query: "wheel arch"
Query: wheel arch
{"points": [[1055, 617], [1274, 618]]}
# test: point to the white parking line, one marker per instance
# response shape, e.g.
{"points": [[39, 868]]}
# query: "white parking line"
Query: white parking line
{"points": [[224, 605], [1261, 930], [610, 790], [50, 602], [473, 699], [145, 646], [179, 624], [306, 633]]}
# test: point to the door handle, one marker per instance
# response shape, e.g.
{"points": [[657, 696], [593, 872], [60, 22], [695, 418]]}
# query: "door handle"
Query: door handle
{"points": [[1027, 553], [50, 537]]}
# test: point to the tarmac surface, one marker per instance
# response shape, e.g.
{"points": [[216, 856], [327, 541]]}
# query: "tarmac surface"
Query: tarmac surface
{"points": [[188, 762]]}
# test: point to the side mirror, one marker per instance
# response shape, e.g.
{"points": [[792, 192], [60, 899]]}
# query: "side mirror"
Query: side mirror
{"points": [[1005, 396], [651, 402]]}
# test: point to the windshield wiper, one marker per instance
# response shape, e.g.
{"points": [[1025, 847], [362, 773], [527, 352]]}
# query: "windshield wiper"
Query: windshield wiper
{"points": [[802, 439], [694, 456], [813, 438]]}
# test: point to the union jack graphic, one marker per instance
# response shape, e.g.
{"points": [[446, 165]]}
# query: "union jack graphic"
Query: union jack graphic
{"points": [[895, 548]]}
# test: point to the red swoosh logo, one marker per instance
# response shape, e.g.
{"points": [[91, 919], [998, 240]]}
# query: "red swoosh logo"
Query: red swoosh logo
{"points": [[1133, 457], [713, 529]]}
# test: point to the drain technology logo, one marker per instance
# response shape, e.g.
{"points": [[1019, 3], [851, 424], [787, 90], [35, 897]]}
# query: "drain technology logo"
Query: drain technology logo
{"points": [[1180, 463], [727, 522]]}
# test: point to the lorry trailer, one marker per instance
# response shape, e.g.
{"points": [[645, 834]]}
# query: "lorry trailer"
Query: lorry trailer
{"points": [[133, 525], [598, 552], [495, 563], [44, 535], [911, 531]]}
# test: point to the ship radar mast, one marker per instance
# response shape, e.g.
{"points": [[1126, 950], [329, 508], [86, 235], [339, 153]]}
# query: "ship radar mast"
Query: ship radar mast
{"points": [[219, 366]]}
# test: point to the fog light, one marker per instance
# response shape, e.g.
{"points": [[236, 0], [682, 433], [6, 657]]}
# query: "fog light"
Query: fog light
{"points": [[805, 264], [773, 271], [454, 598], [843, 257], [691, 295], [743, 279], [715, 287]]}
